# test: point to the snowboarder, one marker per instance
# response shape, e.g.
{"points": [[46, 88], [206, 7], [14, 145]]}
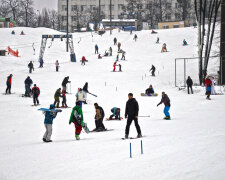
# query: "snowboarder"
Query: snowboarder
{"points": [[149, 91], [65, 82], [85, 91], [116, 113], [110, 51], [9, 84], [189, 83], [96, 49], [184, 42], [80, 97], [157, 41], [56, 97], [208, 84], [165, 99], [119, 45], [64, 105], [153, 70], [131, 112], [213, 91], [36, 92], [41, 62], [99, 116], [123, 55], [99, 56], [83, 60], [135, 37], [115, 41], [164, 48], [28, 82], [57, 65], [76, 117], [49, 116], [114, 66], [31, 67]]}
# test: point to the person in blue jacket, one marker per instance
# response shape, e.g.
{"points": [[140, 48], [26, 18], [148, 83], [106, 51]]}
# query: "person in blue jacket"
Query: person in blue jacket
{"points": [[96, 49], [116, 113], [49, 116], [28, 82]]}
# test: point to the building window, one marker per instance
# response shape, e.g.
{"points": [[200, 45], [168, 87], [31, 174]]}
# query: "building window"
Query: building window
{"points": [[64, 18], [176, 26], [73, 7], [168, 17], [177, 5], [149, 6], [73, 18], [177, 16], [64, 8], [83, 8], [168, 5], [165, 27], [112, 7], [102, 7], [93, 7], [120, 7], [139, 6]]}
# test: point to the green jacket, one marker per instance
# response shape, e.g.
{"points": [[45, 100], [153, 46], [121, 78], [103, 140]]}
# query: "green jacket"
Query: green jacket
{"points": [[76, 114]]}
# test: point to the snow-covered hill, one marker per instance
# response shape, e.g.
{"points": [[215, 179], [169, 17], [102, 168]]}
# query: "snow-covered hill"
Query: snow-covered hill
{"points": [[190, 146]]}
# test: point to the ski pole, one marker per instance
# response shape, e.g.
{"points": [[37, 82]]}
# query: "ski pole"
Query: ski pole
{"points": [[92, 94], [141, 147], [130, 151]]}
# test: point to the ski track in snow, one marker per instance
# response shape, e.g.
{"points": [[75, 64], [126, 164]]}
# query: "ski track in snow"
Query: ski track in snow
{"points": [[190, 146]]}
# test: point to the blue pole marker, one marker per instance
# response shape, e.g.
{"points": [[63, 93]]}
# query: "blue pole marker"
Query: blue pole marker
{"points": [[130, 151], [141, 147]]}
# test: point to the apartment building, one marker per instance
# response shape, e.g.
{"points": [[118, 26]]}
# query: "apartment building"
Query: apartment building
{"points": [[83, 11]]}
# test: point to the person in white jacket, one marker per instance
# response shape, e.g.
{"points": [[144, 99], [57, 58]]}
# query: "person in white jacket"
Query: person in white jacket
{"points": [[80, 96], [213, 91]]}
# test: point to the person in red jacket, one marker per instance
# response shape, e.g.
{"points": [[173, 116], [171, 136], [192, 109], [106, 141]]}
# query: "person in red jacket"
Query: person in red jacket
{"points": [[83, 60], [99, 56], [8, 84], [208, 84], [114, 66], [36, 92]]}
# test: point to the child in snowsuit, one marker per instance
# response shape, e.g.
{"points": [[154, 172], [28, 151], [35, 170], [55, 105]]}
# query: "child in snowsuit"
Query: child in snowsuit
{"points": [[164, 49], [8, 84], [116, 113], [57, 65], [56, 97], [165, 99], [49, 116], [114, 66], [36, 92], [64, 99], [83, 60], [76, 117], [208, 84]]}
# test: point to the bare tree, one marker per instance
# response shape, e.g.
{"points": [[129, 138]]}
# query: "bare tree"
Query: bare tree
{"points": [[53, 17], [27, 6], [13, 6]]}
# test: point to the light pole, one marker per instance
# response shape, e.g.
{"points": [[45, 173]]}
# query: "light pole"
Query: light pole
{"points": [[67, 25]]}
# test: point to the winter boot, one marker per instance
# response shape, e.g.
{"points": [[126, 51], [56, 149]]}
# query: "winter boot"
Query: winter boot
{"points": [[139, 136], [126, 136], [77, 137], [167, 118], [47, 141], [44, 140]]}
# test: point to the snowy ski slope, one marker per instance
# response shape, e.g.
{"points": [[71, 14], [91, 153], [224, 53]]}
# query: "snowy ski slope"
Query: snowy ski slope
{"points": [[190, 146]]}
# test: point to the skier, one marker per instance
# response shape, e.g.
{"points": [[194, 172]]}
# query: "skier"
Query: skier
{"points": [[165, 99], [85, 91], [41, 63], [114, 66], [99, 56], [117, 57], [116, 113], [119, 45], [164, 49], [96, 49], [120, 68], [189, 83], [110, 51], [115, 41], [123, 55], [65, 82], [31, 67], [149, 91], [64, 105], [9, 84], [28, 82], [56, 97], [76, 117], [36, 92], [213, 91], [83, 60], [208, 84], [49, 116], [153, 70], [131, 111], [57, 65], [135, 37], [99, 118], [80, 97], [157, 40], [184, 42]]}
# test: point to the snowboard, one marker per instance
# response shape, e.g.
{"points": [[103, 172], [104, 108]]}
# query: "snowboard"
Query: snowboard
{"points": [[132, 138], [86, 129], [155, 94], [101, 131], [113, 119], [23, 95], [49, 110], [8, 93]]}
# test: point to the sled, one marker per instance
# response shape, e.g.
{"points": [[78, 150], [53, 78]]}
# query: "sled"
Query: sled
{"points": [[50, 110], [155, 94], [93, 131]]}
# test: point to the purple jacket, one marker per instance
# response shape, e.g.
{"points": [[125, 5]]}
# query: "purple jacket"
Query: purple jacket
{"points": [[165, 99]]}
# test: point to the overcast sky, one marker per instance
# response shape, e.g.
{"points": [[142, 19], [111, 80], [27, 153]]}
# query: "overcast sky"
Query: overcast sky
{"points": [[40, 4]]}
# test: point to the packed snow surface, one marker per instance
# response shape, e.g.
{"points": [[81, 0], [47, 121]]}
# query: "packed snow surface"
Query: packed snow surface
{"points": [[189, 146]]}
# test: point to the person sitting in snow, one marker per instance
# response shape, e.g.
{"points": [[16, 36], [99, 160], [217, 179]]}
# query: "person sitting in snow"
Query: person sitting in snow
{"points": [[116, 113], [49, 117], [99, 116], [77, 118], [184, 42], [106, 53], [13, 32], [99, 56], [149, 91], [22, 33], [164, 48]]}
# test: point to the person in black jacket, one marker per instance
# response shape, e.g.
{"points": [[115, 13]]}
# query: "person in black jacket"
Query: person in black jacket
{"points": [[31, 67], [28, 82], [64, 83], [99, 116], [131, 111], [149, 91], [189, 84], [153, 70]]}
